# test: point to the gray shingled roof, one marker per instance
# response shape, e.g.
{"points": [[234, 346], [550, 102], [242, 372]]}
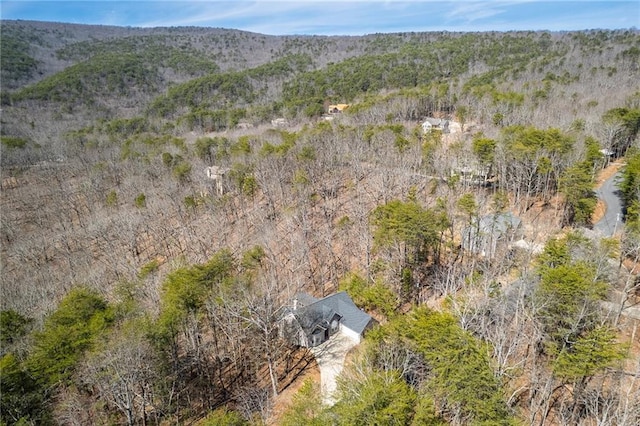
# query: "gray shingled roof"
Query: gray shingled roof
{"points": [[436, 121], [305, 299], [340, 303]]}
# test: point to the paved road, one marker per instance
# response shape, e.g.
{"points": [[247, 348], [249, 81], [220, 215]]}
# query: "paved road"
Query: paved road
{"points": [[611, 221], [330, 357]]}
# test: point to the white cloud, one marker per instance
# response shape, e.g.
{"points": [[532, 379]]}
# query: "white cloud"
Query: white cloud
{"points": [[471, 11], [276, 17]]}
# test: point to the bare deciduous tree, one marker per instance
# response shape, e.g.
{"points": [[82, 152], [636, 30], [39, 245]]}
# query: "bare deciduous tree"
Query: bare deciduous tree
{"points": [[123, 373]]}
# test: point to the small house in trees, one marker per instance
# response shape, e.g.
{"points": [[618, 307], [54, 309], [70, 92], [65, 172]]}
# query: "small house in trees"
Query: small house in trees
{"points": [[216, 174], [488, 232], [309, 322], [279, 122], [435, 124], [473, 174], [607, 156], [336, 109]]}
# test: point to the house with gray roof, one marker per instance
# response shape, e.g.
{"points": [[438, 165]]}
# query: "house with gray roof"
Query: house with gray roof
{"points": [[310, 321], [431, 123], [484, 236]]}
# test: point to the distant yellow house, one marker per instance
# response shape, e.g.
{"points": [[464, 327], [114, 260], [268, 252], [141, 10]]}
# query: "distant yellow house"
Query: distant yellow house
{"points": [[335, 109]]}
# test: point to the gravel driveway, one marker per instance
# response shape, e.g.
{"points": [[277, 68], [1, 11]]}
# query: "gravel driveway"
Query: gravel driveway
{"points": [[330, 357]]}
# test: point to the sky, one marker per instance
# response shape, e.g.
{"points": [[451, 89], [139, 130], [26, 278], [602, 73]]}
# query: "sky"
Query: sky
{"points": [[337, 17]]}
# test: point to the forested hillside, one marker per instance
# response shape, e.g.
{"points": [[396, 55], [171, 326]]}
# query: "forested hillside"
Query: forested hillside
{"points": [[167, 192]]}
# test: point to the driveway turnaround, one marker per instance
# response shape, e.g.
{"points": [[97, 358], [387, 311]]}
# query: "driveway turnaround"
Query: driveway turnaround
{"points": [[330, 357]]}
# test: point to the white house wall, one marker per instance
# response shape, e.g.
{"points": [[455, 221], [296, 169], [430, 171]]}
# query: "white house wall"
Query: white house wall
{"points": [[352, 335]]}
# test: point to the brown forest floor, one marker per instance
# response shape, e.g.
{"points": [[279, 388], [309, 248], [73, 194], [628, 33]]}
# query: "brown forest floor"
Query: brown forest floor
{"points": [[284, 399]]}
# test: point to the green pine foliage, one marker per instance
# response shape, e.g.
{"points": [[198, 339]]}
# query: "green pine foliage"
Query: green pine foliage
{"points": [[181, 171], [111, 199], [151, 48], [408, 64], [534, 159], [463, 378], [185, 291], [306, 407], [212, 150], [22, 398], [101, 76], [564, 291], [590, 354], [628, 122], [576, 184], [374, 398], [223, 417], [408, 223], [484, 149], [68, 333], [412, 236], [370, 296], [15, 55], [13, 142], [13, 326], [630, 187], [244, 179], [568, 295], [123, 128], [140, 201], [210, 92], [55, 352]]}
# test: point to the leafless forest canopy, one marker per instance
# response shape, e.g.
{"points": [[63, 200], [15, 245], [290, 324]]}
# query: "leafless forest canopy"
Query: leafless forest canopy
{"points": [[166, 192]]}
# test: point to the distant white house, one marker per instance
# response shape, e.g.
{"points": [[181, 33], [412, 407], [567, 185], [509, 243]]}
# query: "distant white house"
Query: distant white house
{"points": [[607, 156], [435, 124], [473, 174], [216, 174], [279, 122], [310, 322]]}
